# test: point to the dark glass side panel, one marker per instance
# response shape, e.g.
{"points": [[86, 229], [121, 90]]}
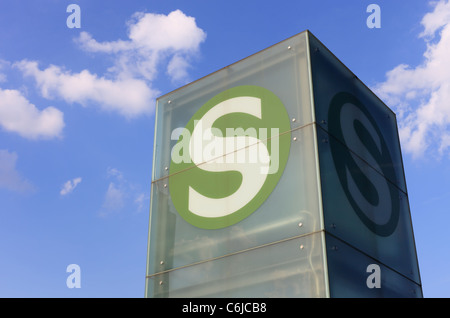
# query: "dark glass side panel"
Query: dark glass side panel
{"points": [[352, 274]]}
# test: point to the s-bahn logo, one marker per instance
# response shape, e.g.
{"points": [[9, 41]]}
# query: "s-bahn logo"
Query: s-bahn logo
{"points": [[229, 157], [374, 201]]}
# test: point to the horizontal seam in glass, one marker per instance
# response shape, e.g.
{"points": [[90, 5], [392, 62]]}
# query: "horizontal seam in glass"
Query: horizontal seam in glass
{"points": [[363, 160], [235, 253], [279, 135], [371, 257]]}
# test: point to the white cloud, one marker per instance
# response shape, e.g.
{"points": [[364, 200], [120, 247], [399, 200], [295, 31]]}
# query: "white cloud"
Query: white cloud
{"points": [[69, 186], [127, 87], [435, 20], [158, 32], [10, 178], [129, 97], [152, 38], [420, 95], [18, 115], [152, 33]]}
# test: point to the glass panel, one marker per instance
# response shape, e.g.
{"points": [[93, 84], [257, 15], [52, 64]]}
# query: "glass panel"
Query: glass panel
{"points": [[291, 209], [291, 268], [282, 69], [353, 274], [364, 209], [349, 111]]}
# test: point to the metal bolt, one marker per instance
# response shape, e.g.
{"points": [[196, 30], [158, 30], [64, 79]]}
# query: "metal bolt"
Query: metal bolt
{"points": [[300, 224], [169, 102], [289, 47], [293, 119], [294, 139], [166, 168], [334, 248], [160, 282], [165, 185], [324, 122], [301, 246], [162, 262]]}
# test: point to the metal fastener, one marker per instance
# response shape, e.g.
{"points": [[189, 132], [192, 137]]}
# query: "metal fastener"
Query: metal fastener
{"points": [[300, 224], [294, 139], [301, 246], [289, 47], [165, 185], [160, 282], [293, 119]]}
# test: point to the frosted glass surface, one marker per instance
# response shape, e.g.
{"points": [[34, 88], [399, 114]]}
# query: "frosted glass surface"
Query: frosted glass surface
{"points": [[292, 209], [292, 268], [282, 69]]}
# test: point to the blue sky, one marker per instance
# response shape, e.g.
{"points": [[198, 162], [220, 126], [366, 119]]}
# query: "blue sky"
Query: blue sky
{"points": [[76, 154]]}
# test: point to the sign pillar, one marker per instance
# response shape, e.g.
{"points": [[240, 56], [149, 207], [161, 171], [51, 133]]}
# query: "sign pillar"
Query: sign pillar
{"points": [[279, 176]]}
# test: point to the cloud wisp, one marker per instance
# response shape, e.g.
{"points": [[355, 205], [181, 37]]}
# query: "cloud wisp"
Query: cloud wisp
{"points": [[121, 195], [10, 178], [69, 186]]}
